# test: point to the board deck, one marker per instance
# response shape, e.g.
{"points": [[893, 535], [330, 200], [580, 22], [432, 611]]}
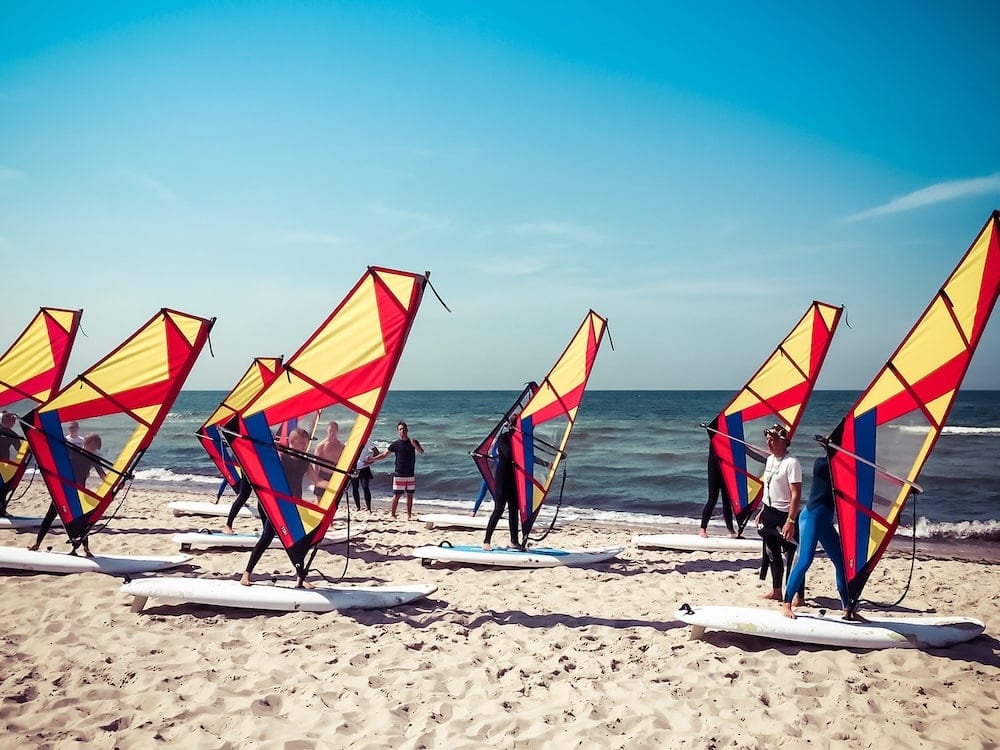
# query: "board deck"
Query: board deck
{"points": [[228, 593], [19, 558], [694, 542], [26, 522], [832, 630], [191, 539], [478, 521], [201, 508], [537, 557]]}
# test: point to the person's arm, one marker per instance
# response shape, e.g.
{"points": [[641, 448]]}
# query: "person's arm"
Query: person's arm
{"points": [[795, 490], [416, 445]]}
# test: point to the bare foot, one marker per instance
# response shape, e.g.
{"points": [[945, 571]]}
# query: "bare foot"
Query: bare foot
{"points": [[245, 579], [702, 533], [798, 601], [733, 535], [487, 548], [87, 552], [854, 617], [786, 610], [228, 530], [773, 595], [33, 548], [304, 585]]}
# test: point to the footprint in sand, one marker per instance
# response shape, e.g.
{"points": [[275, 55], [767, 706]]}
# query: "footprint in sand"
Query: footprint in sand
{"points": [[269, 705]]}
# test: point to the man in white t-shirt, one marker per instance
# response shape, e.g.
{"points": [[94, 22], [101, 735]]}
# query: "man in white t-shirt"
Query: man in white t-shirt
{"points": [[780, 507]]}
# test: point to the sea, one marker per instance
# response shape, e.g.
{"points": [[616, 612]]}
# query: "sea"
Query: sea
{"points": [[635, 457]]}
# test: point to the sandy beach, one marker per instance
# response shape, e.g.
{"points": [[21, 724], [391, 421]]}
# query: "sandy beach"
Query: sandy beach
{"points": [[561, 657]]}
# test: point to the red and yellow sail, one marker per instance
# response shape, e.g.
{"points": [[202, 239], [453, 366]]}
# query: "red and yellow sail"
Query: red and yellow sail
{"points": [[31, 370], [877, 451], [485, 453], [344, 368], [260, 373], [776, 393], [132, 389], [545, 422]]}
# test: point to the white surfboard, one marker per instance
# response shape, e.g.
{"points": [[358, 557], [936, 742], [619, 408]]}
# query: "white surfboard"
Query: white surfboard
{"points": [[537, 557], [832, 630], [19, 558], [694, 542], [479, 521], [201, 508], [191, 539], [25, 522], [224, 593]]}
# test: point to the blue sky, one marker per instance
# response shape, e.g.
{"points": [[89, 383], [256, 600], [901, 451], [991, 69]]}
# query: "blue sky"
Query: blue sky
{"points": [[697, 173]]}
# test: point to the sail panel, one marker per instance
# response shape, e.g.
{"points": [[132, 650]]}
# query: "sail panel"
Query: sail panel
{"points": [[343, 368], [31, 370], [777, 392], [898, 419], [544, 424], [131, 394], [484, 454]]}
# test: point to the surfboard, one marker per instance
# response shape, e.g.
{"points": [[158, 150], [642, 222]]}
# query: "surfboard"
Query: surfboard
{"points": [[25, 522], [200, 508], [832, 630], [536, 557], [191, 539], [226, 593], [694, 542], [462, 521], [18, 558]]}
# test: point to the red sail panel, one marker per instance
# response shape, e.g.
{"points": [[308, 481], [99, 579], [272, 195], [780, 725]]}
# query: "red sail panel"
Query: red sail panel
{"points": [[776, 393], [127, 394], [344, 369], [544, 425], [878, 449]]}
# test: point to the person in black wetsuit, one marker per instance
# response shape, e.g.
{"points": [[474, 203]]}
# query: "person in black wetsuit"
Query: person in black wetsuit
{"points": [[243, 490], [81, 464], [506, 490], [296, 468], [10, 444], [716, 486]]}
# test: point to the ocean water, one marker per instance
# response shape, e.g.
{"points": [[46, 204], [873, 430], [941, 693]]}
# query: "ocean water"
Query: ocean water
{"points": [[636, 456]]}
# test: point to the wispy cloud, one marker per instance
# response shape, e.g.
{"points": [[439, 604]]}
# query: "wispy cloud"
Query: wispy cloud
{"points": [[939, 193], [561, 231], [417, 220], [148, 183], [288, 237]]}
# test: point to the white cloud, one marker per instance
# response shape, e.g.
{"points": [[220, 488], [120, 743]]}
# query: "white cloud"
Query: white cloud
{"points": [[939, 193], [289, 237], [560, 230]]}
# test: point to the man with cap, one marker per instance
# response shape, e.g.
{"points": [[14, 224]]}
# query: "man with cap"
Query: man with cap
{"points": [[776, 520]]}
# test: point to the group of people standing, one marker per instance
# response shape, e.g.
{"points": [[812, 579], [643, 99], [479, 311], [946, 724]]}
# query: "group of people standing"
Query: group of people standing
{"points": [[789, 537], [302, 468]]}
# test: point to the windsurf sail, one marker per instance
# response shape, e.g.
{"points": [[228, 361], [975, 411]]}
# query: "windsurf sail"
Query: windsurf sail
{"points": [[485, 453], [126, 395], [543, 426], [776, 393], [260, 373], [878, 449], [344, 368], [31, 370]]}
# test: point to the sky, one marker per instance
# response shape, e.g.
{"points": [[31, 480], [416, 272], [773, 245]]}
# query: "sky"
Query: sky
{"points": [[697, 173]]}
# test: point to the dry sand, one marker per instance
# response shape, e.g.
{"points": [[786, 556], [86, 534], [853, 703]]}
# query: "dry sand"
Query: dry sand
{"points": [[559, 657]]}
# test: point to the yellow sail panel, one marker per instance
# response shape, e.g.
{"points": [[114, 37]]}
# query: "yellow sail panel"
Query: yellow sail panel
{"points": [[777, 393], [124, 384], [544, 424], [343, 368], [880, 447]]}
